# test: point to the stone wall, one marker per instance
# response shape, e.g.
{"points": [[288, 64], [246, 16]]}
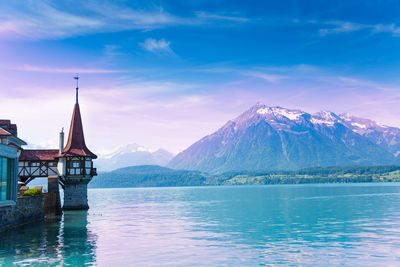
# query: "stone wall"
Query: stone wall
{"points": [[52, 202], [75, 197], [26, 210]]}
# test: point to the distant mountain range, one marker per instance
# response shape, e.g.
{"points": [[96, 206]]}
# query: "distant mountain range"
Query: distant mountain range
{"points": [[132, 155], [276, 138]]}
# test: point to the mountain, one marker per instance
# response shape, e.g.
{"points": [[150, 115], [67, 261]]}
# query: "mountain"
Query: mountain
{"points": [[385, 136], [276, 138], [132, 155], [148, 176]]}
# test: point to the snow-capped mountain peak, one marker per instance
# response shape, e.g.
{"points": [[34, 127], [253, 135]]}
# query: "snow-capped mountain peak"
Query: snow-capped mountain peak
{"points": [[131, 155], [130, 148], [325, 117], [291, 114], [279, 112], [266, 137], [360, 125], [277, 115]]}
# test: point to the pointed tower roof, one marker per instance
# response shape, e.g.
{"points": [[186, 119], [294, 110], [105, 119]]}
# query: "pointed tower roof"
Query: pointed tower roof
{"points": [[76, 140]]}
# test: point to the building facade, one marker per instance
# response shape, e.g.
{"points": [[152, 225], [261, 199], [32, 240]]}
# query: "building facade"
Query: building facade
{"points": [[10, 149]]}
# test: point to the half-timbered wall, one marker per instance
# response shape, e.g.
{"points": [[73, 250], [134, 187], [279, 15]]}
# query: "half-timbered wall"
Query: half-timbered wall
{"points": [[28, 170], [79, 166]]}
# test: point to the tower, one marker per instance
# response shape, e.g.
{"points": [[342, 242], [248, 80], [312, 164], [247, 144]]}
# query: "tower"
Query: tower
{"points": [[75, 163]]}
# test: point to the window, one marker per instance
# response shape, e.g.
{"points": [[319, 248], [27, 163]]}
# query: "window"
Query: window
{"points": [[6, 178], [74, 164], [74, 167], [79, 166]]}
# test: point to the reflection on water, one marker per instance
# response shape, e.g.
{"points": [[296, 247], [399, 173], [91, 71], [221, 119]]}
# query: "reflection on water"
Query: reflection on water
{"points": [[77, 243], [219, 226], [61, 240]]}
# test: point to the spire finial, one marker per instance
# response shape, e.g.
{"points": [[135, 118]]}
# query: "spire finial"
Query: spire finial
{"points": [[77, 86]]}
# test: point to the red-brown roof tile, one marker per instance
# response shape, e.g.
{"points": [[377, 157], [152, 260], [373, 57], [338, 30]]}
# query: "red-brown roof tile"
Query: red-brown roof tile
{"points": [[39, 155], [76, 141], [4, 132]]}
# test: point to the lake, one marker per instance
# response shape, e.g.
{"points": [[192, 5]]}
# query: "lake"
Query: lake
{"points": [[327, 224]]}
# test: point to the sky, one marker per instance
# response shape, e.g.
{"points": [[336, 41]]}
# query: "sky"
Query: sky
{"points": [[163, 74]]}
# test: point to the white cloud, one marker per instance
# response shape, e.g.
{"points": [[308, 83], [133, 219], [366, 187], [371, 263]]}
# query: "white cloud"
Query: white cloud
{"points": [[112, 50], [269, 74], [51, 20], [391, 28], [272, 78], [157, 46], [42, 20], [337, 27], [214, 16]]}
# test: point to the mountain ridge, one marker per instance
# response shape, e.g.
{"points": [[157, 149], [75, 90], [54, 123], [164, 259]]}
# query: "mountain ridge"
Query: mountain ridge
{"points": [[266, 137], [131, 155]]}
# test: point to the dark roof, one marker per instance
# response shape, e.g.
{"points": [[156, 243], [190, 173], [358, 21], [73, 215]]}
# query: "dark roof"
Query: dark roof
{"points": [[39, 154], [10, 131], [76, 140], [9, 125]]}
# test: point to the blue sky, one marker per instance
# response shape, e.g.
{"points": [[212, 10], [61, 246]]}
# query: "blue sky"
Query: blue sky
{"points": [[166, 73]]}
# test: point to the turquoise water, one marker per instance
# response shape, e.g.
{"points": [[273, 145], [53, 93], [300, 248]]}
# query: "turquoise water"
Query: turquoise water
{"points": [[346, 224]]}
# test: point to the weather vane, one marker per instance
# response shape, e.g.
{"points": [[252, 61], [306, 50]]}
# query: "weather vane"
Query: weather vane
{"points": [[77, 79]]}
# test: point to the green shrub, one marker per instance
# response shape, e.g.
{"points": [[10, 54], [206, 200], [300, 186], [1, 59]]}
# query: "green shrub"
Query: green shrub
{"points": [[32, 192]]}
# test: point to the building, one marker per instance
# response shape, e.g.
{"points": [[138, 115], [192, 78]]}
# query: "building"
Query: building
{"points": [[70, 166], [10, 150], [75, 164], [14, 211]]}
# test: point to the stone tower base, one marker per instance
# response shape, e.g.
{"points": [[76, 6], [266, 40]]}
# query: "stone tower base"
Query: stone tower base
{"points": [[75, 196]]}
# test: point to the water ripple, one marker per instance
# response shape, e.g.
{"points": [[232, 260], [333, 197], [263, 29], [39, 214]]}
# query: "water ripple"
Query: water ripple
{"points": [[308, 225]]}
